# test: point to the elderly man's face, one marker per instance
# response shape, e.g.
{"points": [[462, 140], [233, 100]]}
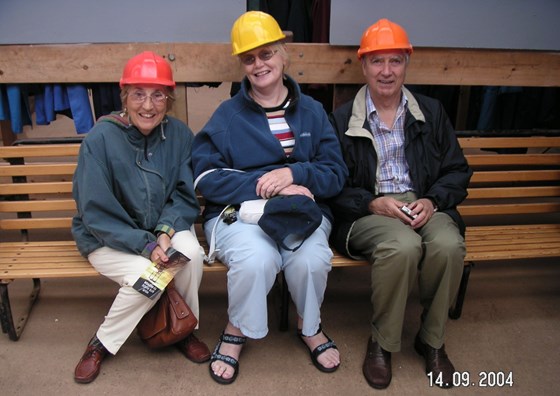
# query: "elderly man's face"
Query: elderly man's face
{"points": [[385, 72]]}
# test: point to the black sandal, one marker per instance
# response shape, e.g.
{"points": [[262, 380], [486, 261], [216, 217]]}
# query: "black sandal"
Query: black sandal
{"points": [[314, 354], [216, 355]]}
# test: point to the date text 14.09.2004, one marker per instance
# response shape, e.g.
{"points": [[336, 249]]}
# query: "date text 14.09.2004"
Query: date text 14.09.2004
{"points": [[484, 379]]}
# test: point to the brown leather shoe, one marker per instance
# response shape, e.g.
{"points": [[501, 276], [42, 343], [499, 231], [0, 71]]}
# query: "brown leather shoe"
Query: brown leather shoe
{"points": [[377, 366], [90, 364], [194, 349], [437, 362]]}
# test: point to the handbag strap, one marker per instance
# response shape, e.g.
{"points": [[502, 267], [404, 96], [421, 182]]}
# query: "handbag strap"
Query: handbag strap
{"points": [[210, 258]]}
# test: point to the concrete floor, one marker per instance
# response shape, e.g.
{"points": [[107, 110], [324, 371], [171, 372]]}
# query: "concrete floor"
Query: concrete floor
{"points": [[510, 323]]}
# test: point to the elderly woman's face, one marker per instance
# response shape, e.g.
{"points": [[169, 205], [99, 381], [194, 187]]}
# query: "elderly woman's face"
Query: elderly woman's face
{"points": [[263, 66], [146, 106]]}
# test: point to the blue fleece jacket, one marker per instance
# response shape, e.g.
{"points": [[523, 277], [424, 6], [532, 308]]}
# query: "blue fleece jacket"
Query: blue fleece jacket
{"points": [[238, 136]]}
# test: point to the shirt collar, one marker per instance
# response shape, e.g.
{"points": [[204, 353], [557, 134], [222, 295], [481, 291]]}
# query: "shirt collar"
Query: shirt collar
{"points": [[370, 106]]}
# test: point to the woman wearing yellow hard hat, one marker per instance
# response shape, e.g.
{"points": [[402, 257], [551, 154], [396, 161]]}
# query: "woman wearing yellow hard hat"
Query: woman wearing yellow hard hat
{"points": [[268, 140]]}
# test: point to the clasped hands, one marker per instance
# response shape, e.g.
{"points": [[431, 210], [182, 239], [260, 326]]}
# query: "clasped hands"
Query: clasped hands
{"points": [[280, 182], [391, 207]]}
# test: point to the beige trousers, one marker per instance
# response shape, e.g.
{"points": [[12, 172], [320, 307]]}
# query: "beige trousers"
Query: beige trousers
{"points": [[130, 306]]}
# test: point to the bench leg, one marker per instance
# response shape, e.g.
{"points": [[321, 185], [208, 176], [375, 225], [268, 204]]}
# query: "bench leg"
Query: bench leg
{"points": [[14, 330], [455, 312], [284, 304]]}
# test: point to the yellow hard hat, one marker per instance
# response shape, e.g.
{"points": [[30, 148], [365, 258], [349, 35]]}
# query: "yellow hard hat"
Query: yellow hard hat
{"points": [[253, 29]]}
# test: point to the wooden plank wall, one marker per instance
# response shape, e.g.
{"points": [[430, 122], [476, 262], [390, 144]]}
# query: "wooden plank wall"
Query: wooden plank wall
{"points": [[310, 63]]}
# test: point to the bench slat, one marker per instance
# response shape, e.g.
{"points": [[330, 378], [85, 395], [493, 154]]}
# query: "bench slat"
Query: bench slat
{"points": [[36, 188], [38, 170], [509, 142], [516, 175], [493, 229], [40, 150], [37, 206], [513, 192], [511, 254], [513, 159], [35, 223], [504, 209]]}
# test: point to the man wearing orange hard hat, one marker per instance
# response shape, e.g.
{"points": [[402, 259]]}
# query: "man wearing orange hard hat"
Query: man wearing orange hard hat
{"points": [[398, 208]]}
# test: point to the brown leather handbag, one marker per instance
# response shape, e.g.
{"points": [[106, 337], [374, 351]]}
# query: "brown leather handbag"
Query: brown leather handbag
{"points": [[168, 322]]}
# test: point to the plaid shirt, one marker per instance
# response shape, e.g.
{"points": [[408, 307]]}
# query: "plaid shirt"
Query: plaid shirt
{"points": [[393, 175]]}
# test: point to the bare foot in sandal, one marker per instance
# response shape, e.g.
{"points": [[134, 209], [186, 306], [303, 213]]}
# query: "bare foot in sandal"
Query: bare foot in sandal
{"points": [[324, 353], [224, 365]]}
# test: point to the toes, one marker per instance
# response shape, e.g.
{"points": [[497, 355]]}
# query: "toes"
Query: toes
{"points": [[330, 358], [221, 370]]}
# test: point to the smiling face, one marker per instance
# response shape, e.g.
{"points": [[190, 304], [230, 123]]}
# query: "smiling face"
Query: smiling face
{"points": [[266, 70], [385, 72], [146, 106]]}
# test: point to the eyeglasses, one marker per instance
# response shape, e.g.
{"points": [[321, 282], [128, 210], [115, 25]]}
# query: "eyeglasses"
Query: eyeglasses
{"points": [[157, 97], [264, 55]]}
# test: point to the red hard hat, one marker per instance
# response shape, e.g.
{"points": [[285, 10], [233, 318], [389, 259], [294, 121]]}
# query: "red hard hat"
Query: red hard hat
{"points": [[147, 68]]}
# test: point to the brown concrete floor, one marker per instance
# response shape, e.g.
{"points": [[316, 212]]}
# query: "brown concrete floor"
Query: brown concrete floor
{"points": [[510, 323]]}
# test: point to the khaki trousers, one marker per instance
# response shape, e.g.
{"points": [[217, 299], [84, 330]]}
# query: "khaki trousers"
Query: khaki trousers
{"points": [[130, 306], [399, 255]]}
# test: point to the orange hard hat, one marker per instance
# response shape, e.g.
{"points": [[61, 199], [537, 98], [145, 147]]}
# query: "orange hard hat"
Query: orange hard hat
{"points": [[384, 35], [147, 68]]}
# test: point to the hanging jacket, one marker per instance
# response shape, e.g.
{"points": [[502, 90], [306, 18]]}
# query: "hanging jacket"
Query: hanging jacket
{"points": [[68, 99], [128, 186], [14, 106]]}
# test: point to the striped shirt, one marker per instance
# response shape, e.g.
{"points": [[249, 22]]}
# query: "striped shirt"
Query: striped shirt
{"points": [[393, 175], [279, 127]]}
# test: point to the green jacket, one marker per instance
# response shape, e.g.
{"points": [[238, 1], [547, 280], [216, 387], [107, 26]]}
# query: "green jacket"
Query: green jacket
{"points": [[128, 187]]}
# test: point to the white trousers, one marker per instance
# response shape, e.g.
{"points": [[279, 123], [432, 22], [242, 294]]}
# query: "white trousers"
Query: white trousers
{"points": [[254, 259], [129, 305]]}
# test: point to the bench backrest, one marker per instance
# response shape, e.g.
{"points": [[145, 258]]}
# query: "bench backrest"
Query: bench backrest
{"points": [[512, 176], [36, 182]]}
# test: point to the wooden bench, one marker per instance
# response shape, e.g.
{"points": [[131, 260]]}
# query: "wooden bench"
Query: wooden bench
{"points": [[36, 203], [35, 188]]}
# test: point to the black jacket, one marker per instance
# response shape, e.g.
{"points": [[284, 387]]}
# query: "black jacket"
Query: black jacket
{"points": [[438, 168]]}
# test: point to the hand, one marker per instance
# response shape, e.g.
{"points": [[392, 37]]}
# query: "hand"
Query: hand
{"points": [[163, 243], [424, 208], [158, 255], [296, 189], [271, 183], [390, 207]]}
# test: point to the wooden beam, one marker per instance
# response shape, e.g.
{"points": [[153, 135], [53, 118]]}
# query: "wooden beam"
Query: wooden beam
{"points": [[310, 63]]}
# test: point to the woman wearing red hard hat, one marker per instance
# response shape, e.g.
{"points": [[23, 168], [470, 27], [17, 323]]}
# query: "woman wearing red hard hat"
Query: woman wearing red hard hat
{"points": [[135, 198]]}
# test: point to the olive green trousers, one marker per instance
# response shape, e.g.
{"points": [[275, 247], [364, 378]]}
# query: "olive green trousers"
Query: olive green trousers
{"points": [[399, 256]]}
